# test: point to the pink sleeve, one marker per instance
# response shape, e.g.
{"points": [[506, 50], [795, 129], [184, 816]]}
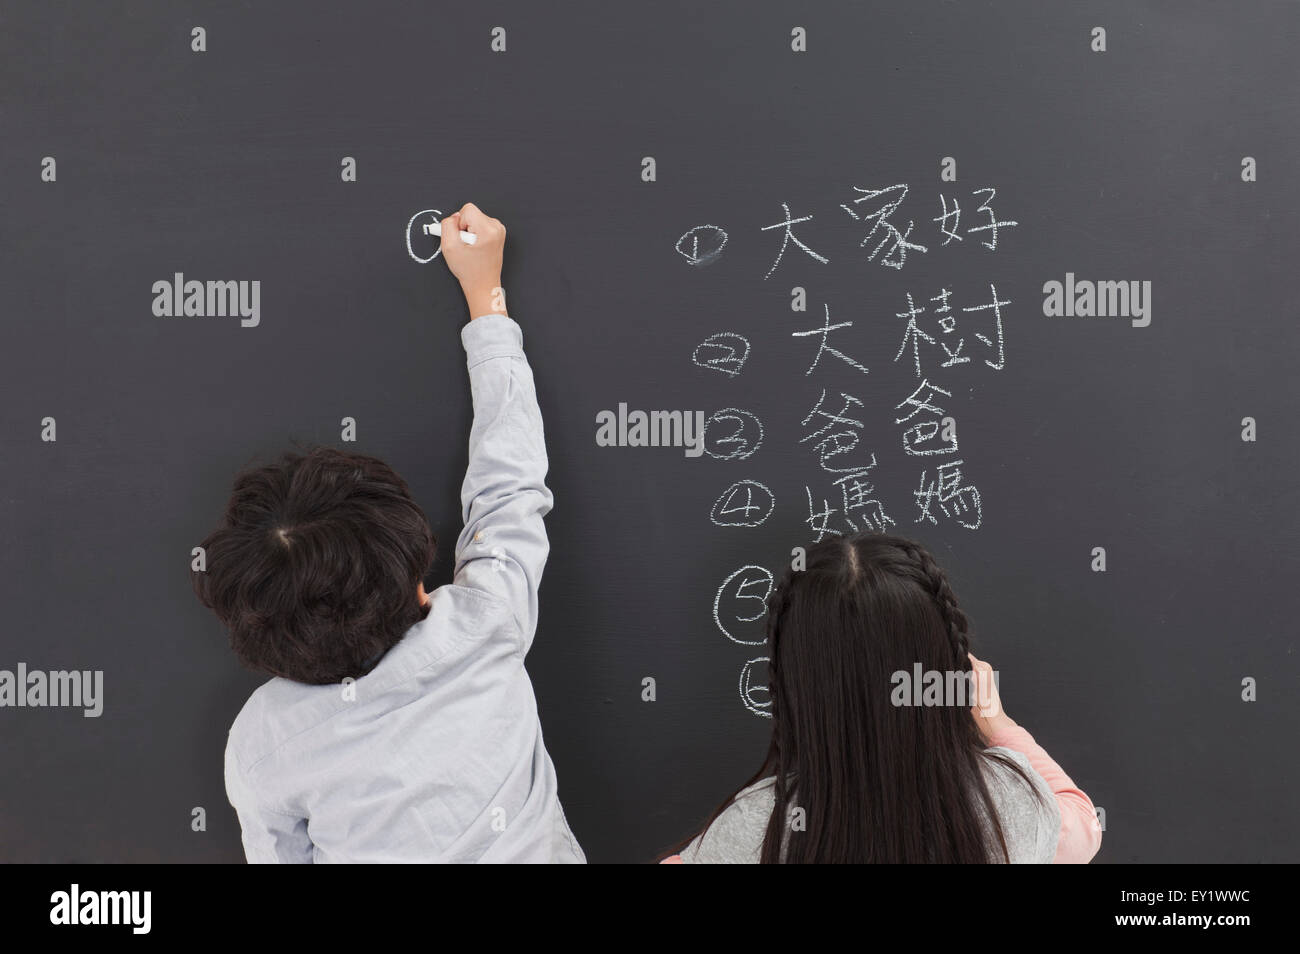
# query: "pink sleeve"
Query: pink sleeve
{"points": [[1080, 832], [672, 860]]}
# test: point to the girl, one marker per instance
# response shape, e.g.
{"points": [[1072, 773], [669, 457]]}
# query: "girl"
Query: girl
{"points": [[854, 773]]}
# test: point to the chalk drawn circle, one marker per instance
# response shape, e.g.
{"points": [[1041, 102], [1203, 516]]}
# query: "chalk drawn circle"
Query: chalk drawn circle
{"points": [[702, 245], [410, 251], [749, 575], [746, 435], [734, 353], [756, 698], [724, 509]]}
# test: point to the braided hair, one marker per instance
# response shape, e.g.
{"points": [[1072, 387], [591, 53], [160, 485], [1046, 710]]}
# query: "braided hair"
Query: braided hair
{"points": [[931, 576]]}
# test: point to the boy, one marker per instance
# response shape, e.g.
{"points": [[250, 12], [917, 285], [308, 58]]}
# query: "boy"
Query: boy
{"points": [[400, 726]]}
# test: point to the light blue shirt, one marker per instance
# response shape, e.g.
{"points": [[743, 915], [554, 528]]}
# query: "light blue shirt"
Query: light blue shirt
{"points": [[436, 755]]}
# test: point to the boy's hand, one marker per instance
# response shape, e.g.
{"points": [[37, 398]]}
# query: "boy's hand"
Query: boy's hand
{"points": [[477, 267], [987, 711]]}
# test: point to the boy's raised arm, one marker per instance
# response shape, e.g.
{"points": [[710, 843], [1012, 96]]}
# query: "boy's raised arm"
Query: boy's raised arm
{"points": [[503, 546]]}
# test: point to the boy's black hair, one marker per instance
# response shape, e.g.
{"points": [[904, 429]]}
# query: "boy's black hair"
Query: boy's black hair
{"points": [[315, 566]]}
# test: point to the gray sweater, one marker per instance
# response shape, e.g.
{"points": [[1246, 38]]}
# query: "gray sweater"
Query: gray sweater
{"points": [[436, 755], [1030, 826]]}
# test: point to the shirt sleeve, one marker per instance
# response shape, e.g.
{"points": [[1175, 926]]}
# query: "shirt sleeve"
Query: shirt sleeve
{"points": [[502, 549], [269, 836], [1080, 836]]}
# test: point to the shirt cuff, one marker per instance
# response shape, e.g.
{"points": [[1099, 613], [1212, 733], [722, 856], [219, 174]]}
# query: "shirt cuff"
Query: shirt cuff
{"points": [[492, 336], [1015, 737]]}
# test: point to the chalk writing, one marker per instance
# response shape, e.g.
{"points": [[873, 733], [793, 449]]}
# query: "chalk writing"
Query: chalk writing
{"points": [[860, 508], [725, 352], [819, 521], [746, 503], [945, 326], [919, 438], [996, 306], [883, 231], [940, 332], [824, 348], [888, 237], [741, 602], [862, 511], [424, 231], [993, 224], [754, 692], [837, 433], [732, 434], [955, 501], [702, 244], [948, 232], [790, 237]]}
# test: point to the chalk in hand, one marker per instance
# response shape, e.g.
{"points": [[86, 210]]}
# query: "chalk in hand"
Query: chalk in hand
{"points": [[469, 238]]}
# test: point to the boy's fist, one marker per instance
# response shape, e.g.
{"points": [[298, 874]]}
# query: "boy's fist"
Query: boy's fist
{"points": [[477, 267]]}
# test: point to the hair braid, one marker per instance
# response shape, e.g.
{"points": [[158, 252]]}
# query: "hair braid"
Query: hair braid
{"points": [[936, 581]]}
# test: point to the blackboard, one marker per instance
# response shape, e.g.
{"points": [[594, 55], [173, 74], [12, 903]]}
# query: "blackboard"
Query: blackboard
{"points": [[1161, 150]]}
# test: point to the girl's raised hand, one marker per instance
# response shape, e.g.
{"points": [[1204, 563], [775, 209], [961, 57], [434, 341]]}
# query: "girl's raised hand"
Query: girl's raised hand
{"points": [[987, 711]]}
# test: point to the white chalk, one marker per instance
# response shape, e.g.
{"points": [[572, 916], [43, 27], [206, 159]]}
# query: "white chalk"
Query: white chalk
{"points": [[469, 238]]}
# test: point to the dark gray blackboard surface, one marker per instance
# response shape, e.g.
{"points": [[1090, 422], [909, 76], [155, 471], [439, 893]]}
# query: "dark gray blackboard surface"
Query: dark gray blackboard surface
{"points": [[1122, 165]]}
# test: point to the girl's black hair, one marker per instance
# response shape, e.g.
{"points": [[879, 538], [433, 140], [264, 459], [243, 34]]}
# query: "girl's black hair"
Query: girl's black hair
{"points": [[876, 782]]}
